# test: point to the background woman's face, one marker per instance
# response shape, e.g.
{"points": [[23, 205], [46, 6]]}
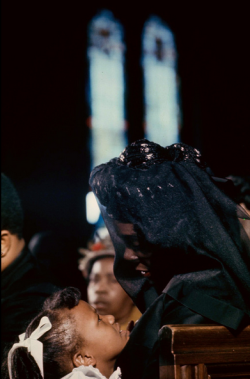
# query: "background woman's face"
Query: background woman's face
{"points": [[105, 293]]}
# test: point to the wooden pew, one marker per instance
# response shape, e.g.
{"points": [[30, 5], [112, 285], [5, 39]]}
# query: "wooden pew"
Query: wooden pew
{"points": [[203, 352]]}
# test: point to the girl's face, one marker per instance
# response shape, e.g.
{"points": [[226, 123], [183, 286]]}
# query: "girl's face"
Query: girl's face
{"points": [[101, 336]]}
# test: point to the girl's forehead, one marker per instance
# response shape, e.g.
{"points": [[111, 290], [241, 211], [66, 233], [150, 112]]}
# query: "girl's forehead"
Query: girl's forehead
{"points": [[84, 310], [87, 307], [85, 316]]}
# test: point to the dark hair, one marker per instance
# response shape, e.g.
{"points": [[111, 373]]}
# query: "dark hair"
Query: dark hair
{"points": [[60, 343], [11, 209], [142, 154]]}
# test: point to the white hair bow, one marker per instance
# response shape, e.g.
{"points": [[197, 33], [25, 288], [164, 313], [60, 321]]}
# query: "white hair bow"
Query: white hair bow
{"points": [[34, 346]]}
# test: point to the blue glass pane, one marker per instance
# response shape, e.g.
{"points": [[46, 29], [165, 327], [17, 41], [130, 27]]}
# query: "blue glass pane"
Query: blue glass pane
{"points": [[162, 111], [106, 55]]}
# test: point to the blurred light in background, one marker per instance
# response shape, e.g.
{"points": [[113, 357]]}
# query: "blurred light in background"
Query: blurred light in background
{"points": [[159, 60], [92, 208], [106, 79], [106, 64]]}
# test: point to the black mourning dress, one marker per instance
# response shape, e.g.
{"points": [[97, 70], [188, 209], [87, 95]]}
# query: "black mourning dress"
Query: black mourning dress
{"points": [[163, 207], [24, 289]]}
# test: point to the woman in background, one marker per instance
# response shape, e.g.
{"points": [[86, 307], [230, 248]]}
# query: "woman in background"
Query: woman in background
{"points": [[103, 291]]}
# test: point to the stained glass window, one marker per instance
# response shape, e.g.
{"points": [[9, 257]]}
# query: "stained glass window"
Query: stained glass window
{"points": [[106, 61], [106, 78], [159, 59]]}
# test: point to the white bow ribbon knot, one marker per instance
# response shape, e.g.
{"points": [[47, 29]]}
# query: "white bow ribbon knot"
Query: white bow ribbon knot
{"points": [[35, 347]]}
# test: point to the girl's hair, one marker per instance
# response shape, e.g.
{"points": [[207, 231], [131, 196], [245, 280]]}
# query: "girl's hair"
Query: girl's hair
{"points": [[60, 343]]}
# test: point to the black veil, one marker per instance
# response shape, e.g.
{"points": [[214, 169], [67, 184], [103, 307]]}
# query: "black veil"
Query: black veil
{"points": [[182, 219]]}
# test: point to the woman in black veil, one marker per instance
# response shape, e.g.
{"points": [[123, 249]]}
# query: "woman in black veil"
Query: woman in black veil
{"points": [[181, 252]]}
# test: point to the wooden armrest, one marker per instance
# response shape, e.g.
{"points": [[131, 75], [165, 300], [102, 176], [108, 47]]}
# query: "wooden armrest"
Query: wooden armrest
{"points": [[203, 351]]}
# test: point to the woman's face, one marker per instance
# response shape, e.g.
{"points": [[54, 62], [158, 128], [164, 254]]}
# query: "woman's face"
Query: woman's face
{"points": [[105, 293], [101, 336], [132, 251]]}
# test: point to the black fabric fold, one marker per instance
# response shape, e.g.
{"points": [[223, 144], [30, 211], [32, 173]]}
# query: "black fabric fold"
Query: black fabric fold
{"points": [[198, 301]]}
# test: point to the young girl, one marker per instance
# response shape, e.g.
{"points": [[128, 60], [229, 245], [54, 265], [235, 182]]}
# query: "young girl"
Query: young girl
{"points": [[68, 339]]}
